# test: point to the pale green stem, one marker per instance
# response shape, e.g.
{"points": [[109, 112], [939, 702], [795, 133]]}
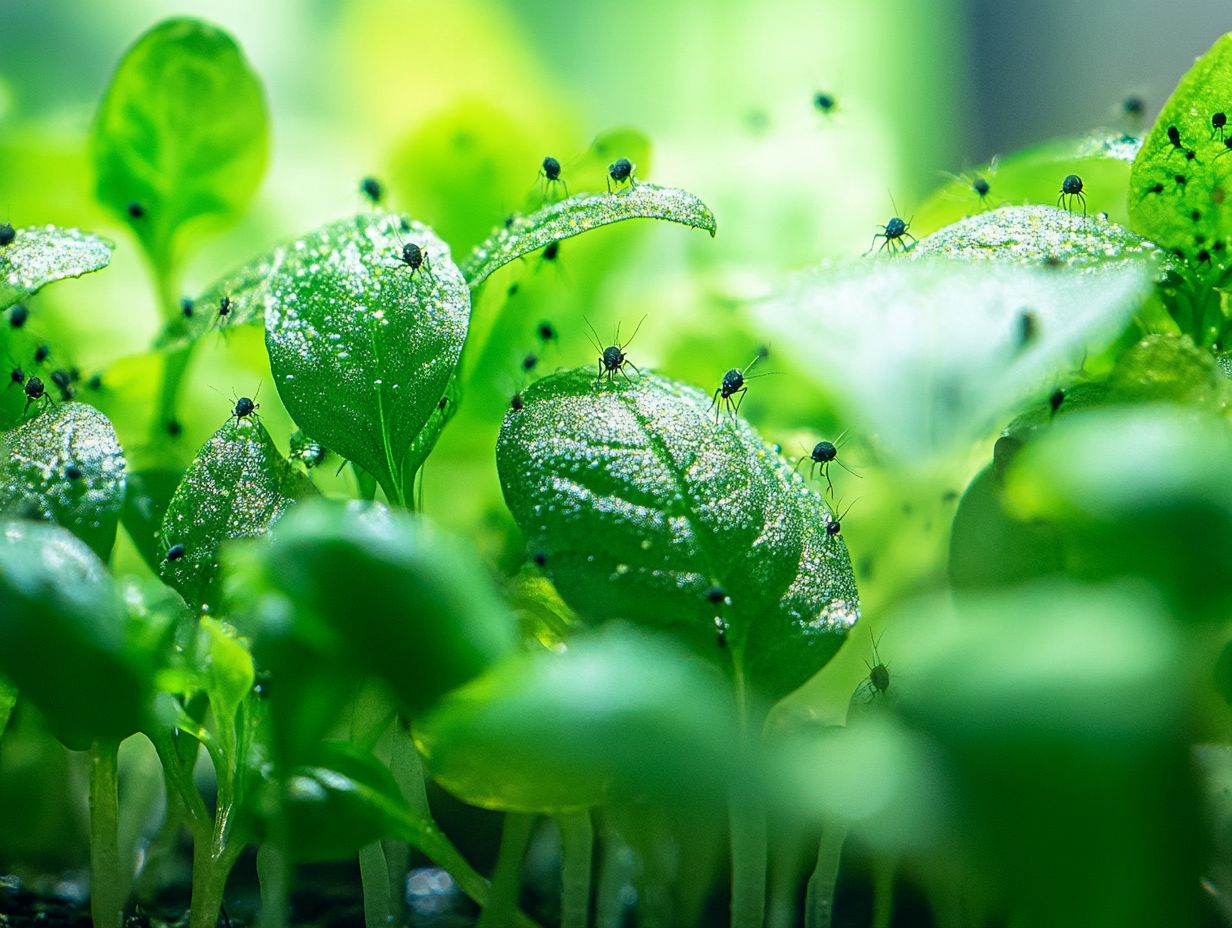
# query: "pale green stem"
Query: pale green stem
{"points": [[883, 892], [507, 878], [819, 899], [106, 883], [615, 870], [274, 876], [577, 836], [748, 833]]}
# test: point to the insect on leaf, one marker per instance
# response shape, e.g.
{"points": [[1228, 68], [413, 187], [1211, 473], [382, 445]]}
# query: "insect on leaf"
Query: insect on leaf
{"points": [[39, 256]]}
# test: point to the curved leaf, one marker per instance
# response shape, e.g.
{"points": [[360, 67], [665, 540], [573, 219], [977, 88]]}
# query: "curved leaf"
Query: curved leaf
{"points": [[65, 466], [618, 714], [580, 214], [237, 487], [639, 503], [928, 355], [1035, 235], [39, 256], [1186, 216], [361, 347], [62, 636], [181, 134], [247, 291]]}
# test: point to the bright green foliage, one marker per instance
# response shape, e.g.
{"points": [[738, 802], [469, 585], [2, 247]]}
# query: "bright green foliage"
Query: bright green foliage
{"points": [[549, 732], [237, 487], [146, 499], [65, 466], [62, 636], [641, 500], [182, 133], [580, 214], [1168, 216], [227, 674], [37, 257], [928, 355], [361, 346], [8, 699], [402, 600]]}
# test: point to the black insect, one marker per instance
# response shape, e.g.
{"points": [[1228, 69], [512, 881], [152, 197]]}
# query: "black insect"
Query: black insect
{"points": [[1071, 188], [1203, 256], [732, 386], [186, 308], [1227, 147], [878, 679], [540, 559], [17, 375], [1133, 107], [895, 232], [18, 315], [529, 362], [41, 353], [515, 402], [7, 234], [981, 187], [551, 250], [175, 552], [224, 307], [824, 103], [371, 188], [1055, 399], [1219, 123], [95, 382], [1028, 327], [613, 357], [174, 429], [136, 210], [34, 391], [620, 172], [716, 595], [1174, 137], [245, 408], [550, 172], [73, 471], [63, 382], [414, 257], [824, 454], [835, 525], [546, 333]]}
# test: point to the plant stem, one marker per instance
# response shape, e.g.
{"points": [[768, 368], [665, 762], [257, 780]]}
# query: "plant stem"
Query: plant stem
{"points": [[212, 863], [577, 838], [748, 833], [374, 875], [819, 900], [614, 870], [883, 892], [407, 768], [274, 875], [106, 883], [507, 878]]}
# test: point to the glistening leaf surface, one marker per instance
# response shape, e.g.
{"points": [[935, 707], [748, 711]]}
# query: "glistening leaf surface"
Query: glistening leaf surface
{"points": [[361, 346], [39, 256], [640, 503], [237, 487], [65, 466], [579, 214]]}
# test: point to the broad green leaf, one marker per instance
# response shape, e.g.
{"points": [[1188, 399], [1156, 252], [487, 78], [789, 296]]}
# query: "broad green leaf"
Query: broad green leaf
{"points": [[1034, 235], [618, 714], [62, 635], [226, 666], [1034, 175], [1186, 215], [579, 214], [926, 356], [237, 487], [37, 257], [182, 134], [404, 601], [639, 500], [361, 347], [65, 466], [158, 619]]}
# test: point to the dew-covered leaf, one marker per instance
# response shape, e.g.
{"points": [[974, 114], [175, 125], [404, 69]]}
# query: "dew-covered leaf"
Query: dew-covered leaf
{"points": [[361, 347], [1173, 199], [39, 256], [1035, 235], [237, 487], [62, 635], [639, 503], [617, 714], [927, 356], [579, 214], [181, 135], [65, 466]]}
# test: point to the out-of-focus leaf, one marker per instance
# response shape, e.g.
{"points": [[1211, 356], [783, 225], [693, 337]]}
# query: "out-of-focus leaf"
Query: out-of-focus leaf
{"points": [[62, 636], [644, 505], [618, 714], [8, 699], [579, 214], [226, 667], [237, 487], [39, 256], [65, 466], [181, 135], [145, 505]]}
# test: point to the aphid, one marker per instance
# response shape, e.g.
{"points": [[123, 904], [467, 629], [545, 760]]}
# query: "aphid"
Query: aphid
{"points": [[1071, 187], [175, 552], [73, 471], [136, 210], [186, 308], [894, 232], [550, 172], [17, 375], [551, 250], [34, 391], [174, 428], [1174, 137], [981, 187], [545, 332], [824, 103], [1180, 180], [1055, 399], [824, 454], [1227, 147], [1134, 107], [7, 234], [307, 450], [732, 385], [224, 307], [371, 188], [716, 595], [529, 362], [613, 357], [41, 353], [63, 382], [1028, 327], [414, 257], [513, 290], [95, 382], [1203, 256], [835, 525], [878, 680], [620, 172], [1219, 122], [244, 408], [539, 558], [515, 402], [18, 315]]}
